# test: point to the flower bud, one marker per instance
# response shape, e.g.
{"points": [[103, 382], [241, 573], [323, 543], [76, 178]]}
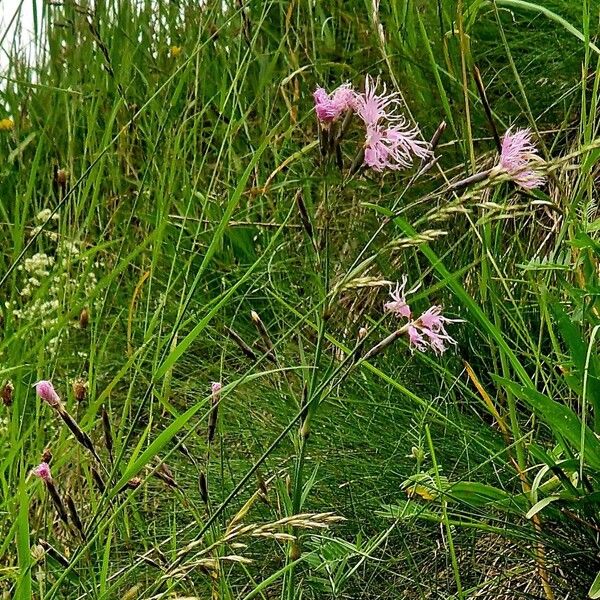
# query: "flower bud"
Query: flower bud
{"points": [[42, 471], [45, 390]]}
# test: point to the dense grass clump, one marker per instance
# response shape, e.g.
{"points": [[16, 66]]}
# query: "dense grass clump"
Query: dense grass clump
{"points": [[196, 268]]}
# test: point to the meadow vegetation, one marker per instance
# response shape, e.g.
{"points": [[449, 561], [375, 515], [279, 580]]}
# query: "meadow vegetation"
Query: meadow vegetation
{"points": [[201, 264]]}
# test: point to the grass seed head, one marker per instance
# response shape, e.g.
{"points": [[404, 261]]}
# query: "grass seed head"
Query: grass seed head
{"points": [[203, 485], [6, 393], [98, 480], [84, 318], [47, 455], [80, 389], [75, 516]]}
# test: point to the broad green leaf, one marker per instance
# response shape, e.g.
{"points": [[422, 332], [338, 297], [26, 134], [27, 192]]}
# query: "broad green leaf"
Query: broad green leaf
{"points": [[535, 509], [560, 418], [595, 588]]}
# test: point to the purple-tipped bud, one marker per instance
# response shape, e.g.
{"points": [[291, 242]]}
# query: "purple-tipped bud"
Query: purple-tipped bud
{"points": [[216, 387], [42, 471], [330, 106], [45, 390]]}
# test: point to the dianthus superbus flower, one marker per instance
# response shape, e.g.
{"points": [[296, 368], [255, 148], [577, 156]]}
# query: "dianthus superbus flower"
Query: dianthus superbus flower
{"points": [[520, 160], [42, 471], [372, 107], [390, 141], [393, 147], [431, 329], [331, 106], [398, 305], [428, 332]]}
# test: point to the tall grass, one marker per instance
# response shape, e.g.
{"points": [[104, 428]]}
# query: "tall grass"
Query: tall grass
{"points": [[168, 221]]}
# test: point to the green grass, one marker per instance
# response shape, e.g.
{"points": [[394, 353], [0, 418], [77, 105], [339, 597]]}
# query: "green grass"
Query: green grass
{"points": [[172, 180]]}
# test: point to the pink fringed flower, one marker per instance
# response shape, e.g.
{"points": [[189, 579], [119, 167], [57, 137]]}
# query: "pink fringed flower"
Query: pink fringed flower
{"points": [[391, 143], [393, 148], [216, 388], [416, 339], [398, 305], [372, 107], [428, 332], [518, 159], [330, 106], [431, 329], [42, 471], [45, 390]]}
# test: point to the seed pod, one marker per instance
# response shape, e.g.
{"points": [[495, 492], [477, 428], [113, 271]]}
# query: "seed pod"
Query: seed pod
{"points": [[132, 484], [295, 550], [304, 216], [264, 334], [57, 501], [212, 422], [214, 412], [164, 473], [84, 318], [61, 178], [304, 407], [46, 455], [107, 429], [6, 393], [203, 485], [184, 449], [81, 436], [80, 388], [75, 516], [98, 480], [54, 553], [305, 429], [241, 343], [37, 552], [435, 140], [262, 487]]}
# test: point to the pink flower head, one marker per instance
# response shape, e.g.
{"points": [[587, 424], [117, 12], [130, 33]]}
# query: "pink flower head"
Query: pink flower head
{"points": [[372, 107], [416, 339], [430, 331], [45, 390], [433, 319], [330, 106], [518, 158], [216, 387], [42, 471], [398, 305], [393, 148]]}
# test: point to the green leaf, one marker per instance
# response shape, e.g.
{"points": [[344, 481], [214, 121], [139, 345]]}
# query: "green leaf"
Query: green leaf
{"points": [[538, 506], [560, 418], [23, 591], [595, 588]]}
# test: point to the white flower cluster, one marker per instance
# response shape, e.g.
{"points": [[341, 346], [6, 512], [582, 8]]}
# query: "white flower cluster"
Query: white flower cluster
{"points": [[52, 281], [45, 214]]}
